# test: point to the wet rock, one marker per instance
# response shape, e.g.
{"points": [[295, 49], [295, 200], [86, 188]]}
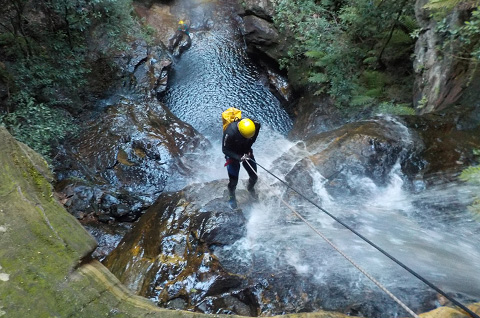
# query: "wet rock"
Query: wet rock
{"points": [[448, 147], [159, 17], [118, 165], [360, 149], [145, 69], [314, 115], [107, 235], [259, 31], [167, 256], [280, 86], [179, 43], [172, 257], [263, 40], [263, 9], [420, 146]]}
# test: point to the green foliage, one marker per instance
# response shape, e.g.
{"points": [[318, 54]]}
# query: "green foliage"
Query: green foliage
{"points": [[105, 20], [361, 100], [469, 34], [341, 41], [395, 109], [38, 125], [48, 48], [471, 174], [466, 36]]}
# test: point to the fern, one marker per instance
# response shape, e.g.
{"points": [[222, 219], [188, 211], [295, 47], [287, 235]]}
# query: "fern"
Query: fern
{"points": [[318, 78], [400, 37], [315, 54], [375, 92], [471, 175], [475, 207], [409, 22], [370, 60], [361, 100], [395, 109]]}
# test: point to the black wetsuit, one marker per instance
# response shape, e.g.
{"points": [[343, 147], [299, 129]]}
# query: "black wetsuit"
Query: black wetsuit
{"points": [[234, 146]]}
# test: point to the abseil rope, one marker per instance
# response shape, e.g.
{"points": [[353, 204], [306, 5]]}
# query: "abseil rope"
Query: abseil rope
{"points": [[431, 285], [364, 272]]}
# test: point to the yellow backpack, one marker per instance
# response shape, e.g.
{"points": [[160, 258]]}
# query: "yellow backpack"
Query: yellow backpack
{"points": [[230, 115]]}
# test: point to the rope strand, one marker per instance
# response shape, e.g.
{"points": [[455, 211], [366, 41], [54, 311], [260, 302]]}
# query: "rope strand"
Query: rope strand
{"points": [[431, 285]]}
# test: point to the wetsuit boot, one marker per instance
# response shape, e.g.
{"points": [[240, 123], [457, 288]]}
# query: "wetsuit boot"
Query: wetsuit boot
{"points": [[232, 200], [251, 190]]}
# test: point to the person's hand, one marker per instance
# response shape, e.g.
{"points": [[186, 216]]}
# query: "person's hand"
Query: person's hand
{"points": [[245, 157]]}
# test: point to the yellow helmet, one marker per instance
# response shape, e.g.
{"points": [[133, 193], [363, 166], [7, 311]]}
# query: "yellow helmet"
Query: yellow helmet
{"points": [[181, 22], [246, 128]]}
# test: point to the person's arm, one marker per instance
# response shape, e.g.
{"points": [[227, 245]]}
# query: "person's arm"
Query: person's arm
{"points": [[226, 147]]}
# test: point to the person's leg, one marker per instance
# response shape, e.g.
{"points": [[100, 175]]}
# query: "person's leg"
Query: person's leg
{"points": [[251, 168], [233, 168]]}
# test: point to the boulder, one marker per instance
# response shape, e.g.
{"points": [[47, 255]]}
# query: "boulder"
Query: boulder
{"points": [[259, 31], [167, 256], [314, 115], [127, 154], [263, 9], [425, 149], [262, 37], [369, 148]]}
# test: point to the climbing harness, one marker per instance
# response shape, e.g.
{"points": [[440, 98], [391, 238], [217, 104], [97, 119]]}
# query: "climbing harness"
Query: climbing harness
{"points": [[431, 285]]}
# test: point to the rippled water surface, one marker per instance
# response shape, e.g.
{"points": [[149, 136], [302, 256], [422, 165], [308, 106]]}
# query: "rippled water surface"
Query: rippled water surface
{"points": [[215, 74]]}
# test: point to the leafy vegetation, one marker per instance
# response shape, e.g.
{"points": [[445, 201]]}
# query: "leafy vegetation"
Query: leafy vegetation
{"points": [[46, 53], [466, 37], [359, 50], [37, 125], [472, 175]]}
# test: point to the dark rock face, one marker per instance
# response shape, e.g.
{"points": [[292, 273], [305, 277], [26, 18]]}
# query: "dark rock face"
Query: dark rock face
{"points": [[260, 32], [131, 148], [369, 149], [168, 254], [422, 146], [121, 162], [314, 115], [266, 45], [261, 35], [263, 9], [441, 76], [448, 148]]}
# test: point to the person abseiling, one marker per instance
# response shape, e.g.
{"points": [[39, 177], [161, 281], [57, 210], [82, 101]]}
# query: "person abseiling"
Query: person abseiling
{"points": [[238, 138], [183, 27], [182, 30]]}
